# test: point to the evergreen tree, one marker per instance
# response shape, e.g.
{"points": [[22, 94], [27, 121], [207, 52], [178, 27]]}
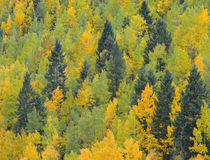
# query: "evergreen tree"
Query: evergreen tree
{"points": [[105, 45], [26, 101], [140, 84], [56, 72], [191, 102], [159, 35], [116, 70], [145, 12], [84, 72], [40, 109], [161, 118], [83, 76]]}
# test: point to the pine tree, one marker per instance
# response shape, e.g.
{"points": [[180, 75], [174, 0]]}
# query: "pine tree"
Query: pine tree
{"points": [[25, 104], [56, 72], [161, 118], [105, 45], [116, 70], [159, 35], [140, 84], [191, 102]]}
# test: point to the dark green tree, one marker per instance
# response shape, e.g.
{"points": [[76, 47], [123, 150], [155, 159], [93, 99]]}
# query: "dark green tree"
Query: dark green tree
{"points": [[191, 102], [83, 75], [161, 117], [116, 70], [159, 35], [56, 72], [105, 45], [142, 80], [40, 109], [84, 72], [26, 101], [145, 12]]}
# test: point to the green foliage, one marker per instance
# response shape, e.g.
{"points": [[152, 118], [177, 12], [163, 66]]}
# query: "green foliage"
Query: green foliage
{"points": [[56, 72]]}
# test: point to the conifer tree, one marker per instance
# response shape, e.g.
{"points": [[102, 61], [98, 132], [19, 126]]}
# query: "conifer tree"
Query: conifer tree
{"points": [[161, 118], [83, 76], [56, 72], [145, 12], [26, 101], [191, 102], [105, 45], [159, 35], [116, 70], [141, 82]]}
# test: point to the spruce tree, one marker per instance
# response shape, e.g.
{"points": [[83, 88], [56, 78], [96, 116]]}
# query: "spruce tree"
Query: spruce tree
{"points": [[191, 102], [105, 45], [142, 79], [159, 35], [26, 101], [40, 109], [84, 72], [145, 12], [161, 117], [56, 72], [116, 70]]}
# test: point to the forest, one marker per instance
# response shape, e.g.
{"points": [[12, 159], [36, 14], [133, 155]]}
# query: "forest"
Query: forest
{"points": [[104, 80]]}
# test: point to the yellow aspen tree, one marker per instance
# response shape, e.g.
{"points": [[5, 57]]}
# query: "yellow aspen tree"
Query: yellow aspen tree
{"points": [[198, 157], [175, 105], [88, 42], [30, 152], [85, 97], [146, 106], [103, 150], [7, 26], [50, 153], [201, 133], [199, 64], [19, 19], [163, 6], [110, 112], [138, 24], [56, 101], [132, 151]]}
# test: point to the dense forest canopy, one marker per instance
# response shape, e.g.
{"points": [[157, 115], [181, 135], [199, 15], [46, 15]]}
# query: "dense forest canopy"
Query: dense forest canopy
{"points": [[104, 79]]}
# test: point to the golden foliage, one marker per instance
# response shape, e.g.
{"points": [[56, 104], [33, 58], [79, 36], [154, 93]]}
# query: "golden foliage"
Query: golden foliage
{"points": [[110, 112], [146, 105]]}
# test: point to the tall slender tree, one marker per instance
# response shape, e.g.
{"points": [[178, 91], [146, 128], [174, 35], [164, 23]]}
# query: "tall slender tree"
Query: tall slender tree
{"points": [[159, 35], [56, 72], [105, 45], [145, 12], [161, 119], [26, 101], [116, 70], [191, 102]]}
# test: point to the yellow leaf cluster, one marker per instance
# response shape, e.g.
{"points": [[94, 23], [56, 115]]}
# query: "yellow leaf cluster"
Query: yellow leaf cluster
{"points": [[56, 101], [146, 105], [175, 105], [110, 112], [7, 26], [85, 96], [138, 24], [199, 64]]}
